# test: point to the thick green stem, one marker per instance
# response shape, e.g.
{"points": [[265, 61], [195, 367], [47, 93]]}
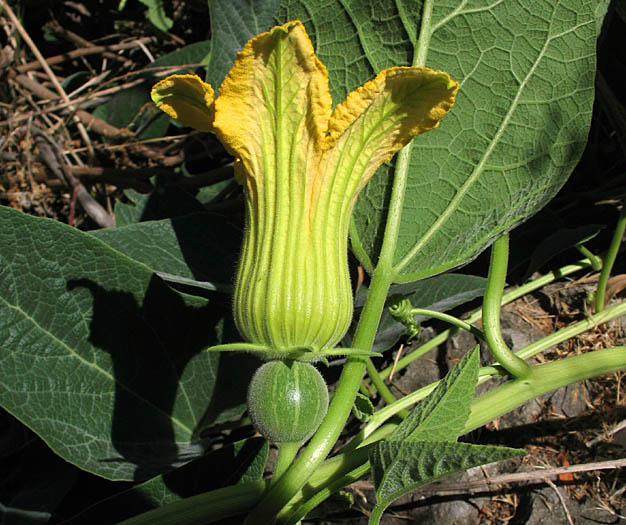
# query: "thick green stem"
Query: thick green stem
{"points": [[544, 379], [609, 260], [612, 312], [517, 367], [378, 383], [286, 454], [335, 485]]}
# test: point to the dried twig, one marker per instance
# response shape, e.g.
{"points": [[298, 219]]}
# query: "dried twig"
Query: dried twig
{"points": [[395, 361], [51, 155], [559, 495], [606, 435], [100, 126], [486, 485], [55, 81], [79, 41], [85, 51]]}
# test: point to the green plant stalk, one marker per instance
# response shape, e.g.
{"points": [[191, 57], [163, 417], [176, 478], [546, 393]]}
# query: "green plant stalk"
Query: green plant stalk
{"points": [[609, 260], [545, 378], [508, 297], [596, 261], [488, 372], [379, 383], [204, 508], [336, 484], [491, 310], [458, 323], [485, 408], [286, 454], [348, 386]]}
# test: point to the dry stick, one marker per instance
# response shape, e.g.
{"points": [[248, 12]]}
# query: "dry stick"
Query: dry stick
{"points": [[606, 435], [122, 178], [517, 477], [51, 155], [91, 49], [49, 72], [90, 99], [98, 125], [80, 41], [559, 495]]}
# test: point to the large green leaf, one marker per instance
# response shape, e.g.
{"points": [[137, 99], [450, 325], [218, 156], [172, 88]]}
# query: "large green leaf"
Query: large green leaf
{"points": [[399, 467], [233, 23], [198, 246], [100, 357], [518, 127]]}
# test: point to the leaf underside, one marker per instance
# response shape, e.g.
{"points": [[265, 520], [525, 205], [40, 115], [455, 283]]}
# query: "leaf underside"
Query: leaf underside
{"points": [[517, 129]]}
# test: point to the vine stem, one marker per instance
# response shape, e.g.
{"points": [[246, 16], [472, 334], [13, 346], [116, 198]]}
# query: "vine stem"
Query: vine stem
{"points": [[609, 259], [515, 366], [545, 378], [508, 297], [455, 321], [286, 454]]}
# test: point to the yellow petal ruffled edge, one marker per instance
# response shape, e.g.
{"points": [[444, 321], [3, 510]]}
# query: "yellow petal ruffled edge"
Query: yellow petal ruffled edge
{"points": [[240, 93], [425, 95], [187, 99]]}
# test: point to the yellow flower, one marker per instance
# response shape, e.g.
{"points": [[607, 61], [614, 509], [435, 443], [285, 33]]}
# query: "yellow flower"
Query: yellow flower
{"points": [[302, 166]]}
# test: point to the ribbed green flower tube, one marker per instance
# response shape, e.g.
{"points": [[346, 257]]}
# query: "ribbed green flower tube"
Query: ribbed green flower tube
{"points": [[293, 285]]}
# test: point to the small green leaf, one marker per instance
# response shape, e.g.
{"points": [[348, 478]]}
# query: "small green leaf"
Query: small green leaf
{"points": [[199, 246], [363, 408], [156, 15], [399, 467], [442, 415]]}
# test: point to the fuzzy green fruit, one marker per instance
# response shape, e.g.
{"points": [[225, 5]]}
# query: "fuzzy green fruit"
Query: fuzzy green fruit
{"points": [[287, 401]]}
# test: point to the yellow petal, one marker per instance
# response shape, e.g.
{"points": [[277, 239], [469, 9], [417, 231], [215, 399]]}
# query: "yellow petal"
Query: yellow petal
{"points": [[274, 104], [187, 99], [272, 113], [379, 118]]}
